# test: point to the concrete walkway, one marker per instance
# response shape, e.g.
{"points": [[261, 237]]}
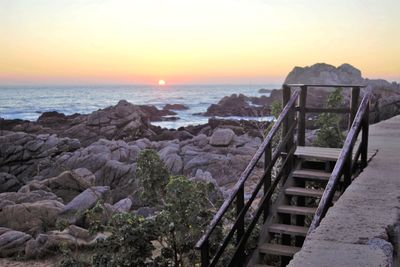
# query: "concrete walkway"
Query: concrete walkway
{"points": [[363, 227]]}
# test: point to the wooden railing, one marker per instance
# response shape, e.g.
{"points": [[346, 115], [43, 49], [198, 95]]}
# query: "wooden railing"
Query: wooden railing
{"points": [[346, 164], [286, 120], [285, 150]]}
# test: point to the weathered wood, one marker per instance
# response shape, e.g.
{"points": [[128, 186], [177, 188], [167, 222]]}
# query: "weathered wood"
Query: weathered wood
{"points": [[320, 153], [301, 134], [364, 138], [287, 209], [327, 85], [267, 178], [305, 192], [355, 93], [326, 110], [205, 257], [288, 229], [280, 250], [312, 174], [330, 188], [244, 176]]}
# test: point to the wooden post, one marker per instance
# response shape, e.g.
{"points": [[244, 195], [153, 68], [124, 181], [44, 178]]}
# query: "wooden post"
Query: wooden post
{"points": [[348, 170], [240, 229], [364, 139], [285, 100], [267, 179], [205, 257], [301, 133], [355, 93]]}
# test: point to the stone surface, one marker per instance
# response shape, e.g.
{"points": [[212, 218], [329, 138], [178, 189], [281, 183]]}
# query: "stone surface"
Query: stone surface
{"points": [[12, 242], [222, 137], [74, 210], [31, 217], [358, 229], [9, 183]]}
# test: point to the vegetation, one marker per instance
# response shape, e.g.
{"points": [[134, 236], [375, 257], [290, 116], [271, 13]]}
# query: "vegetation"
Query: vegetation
{"points": [[153, 177], [166, 239], [330, 134]]}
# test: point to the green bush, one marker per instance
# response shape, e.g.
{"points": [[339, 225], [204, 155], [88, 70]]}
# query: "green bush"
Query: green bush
{"points": [[153, 177], [329, 133]]}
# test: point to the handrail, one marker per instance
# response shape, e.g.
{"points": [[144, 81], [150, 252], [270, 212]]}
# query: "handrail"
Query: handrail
{"points": [[203, 241], [345, 157]]}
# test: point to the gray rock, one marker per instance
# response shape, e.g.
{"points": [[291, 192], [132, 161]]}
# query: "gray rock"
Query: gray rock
{"points": [[124, 205], [8, 183], [145, 212], [31, 217], [12, 242], [74, 210], [222, 137]]}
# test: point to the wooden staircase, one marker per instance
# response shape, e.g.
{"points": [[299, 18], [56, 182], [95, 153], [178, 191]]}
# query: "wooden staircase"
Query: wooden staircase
{"points": [[293, 201], [287, 224]]}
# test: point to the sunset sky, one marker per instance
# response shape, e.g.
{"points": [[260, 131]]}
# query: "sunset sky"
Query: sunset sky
{"points": [[181, 41]]}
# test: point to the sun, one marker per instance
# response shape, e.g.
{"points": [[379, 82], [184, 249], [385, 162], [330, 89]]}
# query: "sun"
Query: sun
{"points": [[161, 82]]}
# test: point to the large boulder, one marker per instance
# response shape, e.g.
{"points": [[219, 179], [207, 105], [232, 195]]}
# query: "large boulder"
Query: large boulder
{"points": [[222, 137], [31, 217], [67, 185], [74, 210], [12, 242], [11, 198]]}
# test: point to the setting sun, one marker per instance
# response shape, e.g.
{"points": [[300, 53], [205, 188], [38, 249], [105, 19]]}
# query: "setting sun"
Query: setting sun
{"points": [[161, 82]]}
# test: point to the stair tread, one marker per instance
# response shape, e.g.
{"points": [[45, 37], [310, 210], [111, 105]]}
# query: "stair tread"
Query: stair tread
{"points": [[321, 153], [276, 249], [288, 229], [296, 210], [301, 191], [312, 174], [318, 153]]}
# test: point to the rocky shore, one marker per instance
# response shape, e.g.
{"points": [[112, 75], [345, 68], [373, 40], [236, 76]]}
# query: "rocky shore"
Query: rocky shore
{"points": [[54, 169]]}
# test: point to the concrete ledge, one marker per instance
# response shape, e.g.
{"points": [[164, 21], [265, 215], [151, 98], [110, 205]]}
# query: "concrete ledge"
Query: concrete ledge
{"points": [[362, 228]]}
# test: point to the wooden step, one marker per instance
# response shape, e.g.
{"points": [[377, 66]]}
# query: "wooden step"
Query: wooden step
{"points": [[322, 153], [312, 174], [317, 153], [306, 192], [280, 250], [296, 210], [288, 229]]}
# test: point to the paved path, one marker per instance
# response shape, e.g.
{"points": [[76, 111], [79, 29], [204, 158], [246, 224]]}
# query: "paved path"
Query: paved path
{"points": [[363, 227]]}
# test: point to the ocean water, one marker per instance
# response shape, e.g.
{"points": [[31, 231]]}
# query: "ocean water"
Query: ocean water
{"points": [[29, 102]]}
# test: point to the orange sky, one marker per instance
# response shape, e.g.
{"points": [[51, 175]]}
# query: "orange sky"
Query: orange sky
{"points": [[180, 41]]}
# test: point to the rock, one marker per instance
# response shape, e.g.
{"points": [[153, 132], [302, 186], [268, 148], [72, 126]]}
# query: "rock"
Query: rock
{"points": [[145, 212], [74, 210], [25, 197], [124, 205], [31, 217], [237, 105], [175, 107], [264, 91], [67, 185], [8, 183], [222, 137], [71, 237], [12, 242], [174, 164]]}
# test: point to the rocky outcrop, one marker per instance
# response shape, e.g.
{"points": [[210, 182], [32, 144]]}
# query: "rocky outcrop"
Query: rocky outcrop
{"points": [[222, 137], [175, 107], [386, 96], [12, 242], [31, 217], [9, 183]]}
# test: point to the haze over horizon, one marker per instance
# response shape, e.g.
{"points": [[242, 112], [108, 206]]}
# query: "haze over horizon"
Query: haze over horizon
{"points": [[237, 41]]}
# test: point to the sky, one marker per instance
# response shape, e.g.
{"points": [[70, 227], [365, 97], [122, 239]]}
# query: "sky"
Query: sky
{"points": [[181, 41]]}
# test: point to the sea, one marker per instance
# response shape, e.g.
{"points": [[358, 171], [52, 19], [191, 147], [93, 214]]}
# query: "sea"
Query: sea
{"points": [[29, 102]]}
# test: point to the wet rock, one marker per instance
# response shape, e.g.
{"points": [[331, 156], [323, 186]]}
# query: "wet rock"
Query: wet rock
{"points": [[175, 107]]}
